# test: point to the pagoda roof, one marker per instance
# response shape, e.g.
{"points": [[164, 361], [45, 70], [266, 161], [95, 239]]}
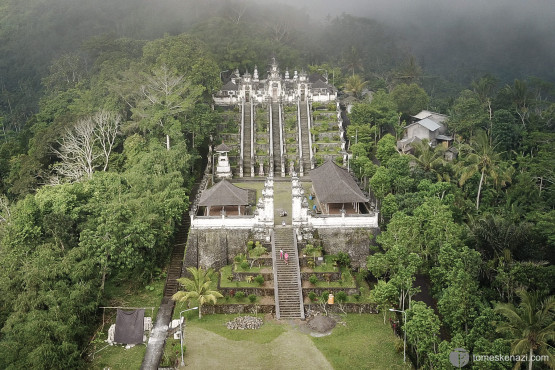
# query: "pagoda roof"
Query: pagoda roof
{"points": [[222, 148], [224, 193], [334, 184], [320, 85], [230, 86]]}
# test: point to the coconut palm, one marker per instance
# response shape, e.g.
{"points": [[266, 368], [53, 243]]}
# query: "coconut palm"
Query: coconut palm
{"points": [[530, 326], [482, 158], [355, 84], [429, 159], [197, 288], [353, 61]]}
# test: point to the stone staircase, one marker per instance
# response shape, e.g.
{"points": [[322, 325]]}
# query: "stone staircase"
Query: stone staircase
{"points": [[247, 142], [176, 263], [289, 303], [305, 132], [275, 138]]}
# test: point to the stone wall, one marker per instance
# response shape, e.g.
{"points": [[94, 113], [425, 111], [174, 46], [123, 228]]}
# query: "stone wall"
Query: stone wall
{"points": [[237, 308], [215, 248], [345, 307], [355, 242]]}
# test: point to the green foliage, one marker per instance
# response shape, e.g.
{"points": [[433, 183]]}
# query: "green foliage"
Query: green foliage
{"points": [[384, 295], [240, 296], [259, 279], [313, 279], [342, 259], [198, 288], [244, 265], [386, 149], [311, 250], [530, 326], [422, 329], [341, 297], [312, 296], [252, 298], [410, 99]]}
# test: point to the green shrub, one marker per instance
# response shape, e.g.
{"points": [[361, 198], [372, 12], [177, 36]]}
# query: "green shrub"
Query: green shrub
{"points": [[332, 106], [259, 280], [252, 298], [312, 296], [343, 259], [341, 297], [324, 296], [239, 258], [313, 279], [312, 250], [257, 251], [245, 265], [240, 295], [250, 244]]}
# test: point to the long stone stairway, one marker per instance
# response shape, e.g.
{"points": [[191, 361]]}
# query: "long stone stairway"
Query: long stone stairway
{"points": [[247, 141], [289, 303], [157, 339], [275, 138], [176, 262], [305, 133]]}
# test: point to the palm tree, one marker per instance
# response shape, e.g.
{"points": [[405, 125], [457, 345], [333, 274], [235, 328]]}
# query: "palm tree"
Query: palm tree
{"points": [[429, 159], [353, 61], [197, 288], [530, 326], [485, 160], [355, 84]]}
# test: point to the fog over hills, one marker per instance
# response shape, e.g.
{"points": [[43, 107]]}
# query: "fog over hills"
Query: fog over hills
{"points": [[513, 37]]}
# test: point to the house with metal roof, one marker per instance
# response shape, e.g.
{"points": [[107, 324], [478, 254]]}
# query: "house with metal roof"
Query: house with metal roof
{"points": [[428, 126]]}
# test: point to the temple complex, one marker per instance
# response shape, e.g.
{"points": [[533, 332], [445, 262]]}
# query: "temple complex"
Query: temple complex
{"points": [[279, 176]]}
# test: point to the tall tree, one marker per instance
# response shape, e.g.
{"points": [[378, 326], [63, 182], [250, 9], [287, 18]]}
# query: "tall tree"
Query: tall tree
{"points": [[355, 84], [483, 159], [163, 98], [410, 99], [82, 147], [353, 61], [530, 326]]}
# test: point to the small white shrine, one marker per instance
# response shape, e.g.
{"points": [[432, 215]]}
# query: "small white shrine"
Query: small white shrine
{"points": [[223, 168]]}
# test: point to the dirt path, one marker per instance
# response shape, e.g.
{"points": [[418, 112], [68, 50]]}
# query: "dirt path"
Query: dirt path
{"points": [[291, 350]]}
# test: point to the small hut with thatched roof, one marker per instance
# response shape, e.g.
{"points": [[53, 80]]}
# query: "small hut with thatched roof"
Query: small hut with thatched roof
{"points": [[226, 198], [336, 191]]}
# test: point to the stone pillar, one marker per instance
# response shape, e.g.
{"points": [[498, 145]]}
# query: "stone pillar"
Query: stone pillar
{"points": [[297, 199], [268, 200]]}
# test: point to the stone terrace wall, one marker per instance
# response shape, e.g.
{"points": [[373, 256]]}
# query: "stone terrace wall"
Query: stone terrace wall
{"points": [[355, 242], [214, 248]]}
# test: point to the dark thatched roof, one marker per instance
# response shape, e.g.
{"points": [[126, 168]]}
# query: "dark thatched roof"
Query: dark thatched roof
{"points": [[222, 148], [230, 86], [334, 184], [224, 193]]}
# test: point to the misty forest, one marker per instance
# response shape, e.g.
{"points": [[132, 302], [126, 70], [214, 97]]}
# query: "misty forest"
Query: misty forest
{"points": [[107, 115]]}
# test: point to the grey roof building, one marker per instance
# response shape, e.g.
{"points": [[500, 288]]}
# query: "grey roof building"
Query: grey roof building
{"points": [[335, 185]]}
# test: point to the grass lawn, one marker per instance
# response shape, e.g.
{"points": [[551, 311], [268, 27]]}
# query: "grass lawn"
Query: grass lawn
{"points": [[117, 357], [216, 324], [364, 343]]}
